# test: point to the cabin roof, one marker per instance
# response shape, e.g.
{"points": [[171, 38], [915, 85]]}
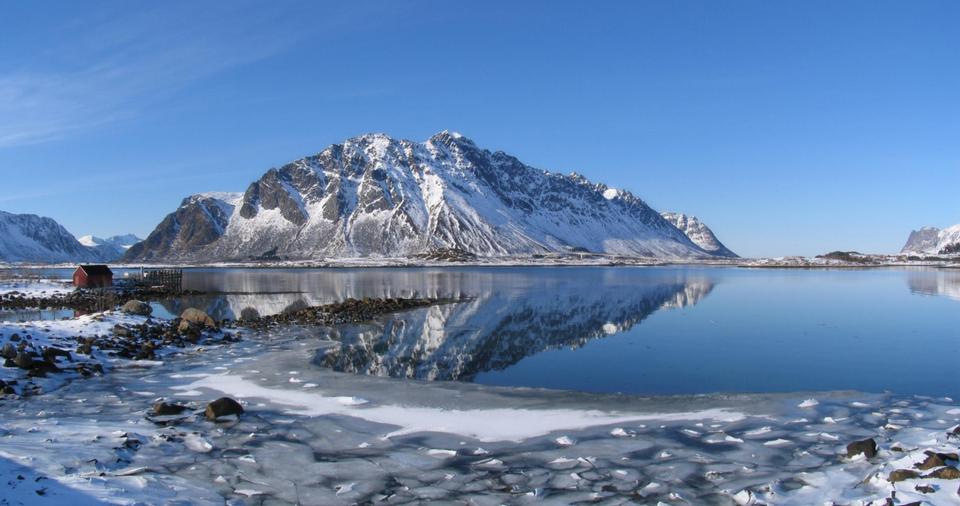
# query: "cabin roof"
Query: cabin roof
{"points": [[96, 270]]}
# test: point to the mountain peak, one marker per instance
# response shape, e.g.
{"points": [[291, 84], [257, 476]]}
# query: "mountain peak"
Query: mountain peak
{"points": [[377, 196], [450, 138]]}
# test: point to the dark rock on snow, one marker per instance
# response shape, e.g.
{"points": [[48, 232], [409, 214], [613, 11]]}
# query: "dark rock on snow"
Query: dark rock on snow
{"points": [[167, 409], [944, 473], [223, 406], [902, 474], [868, 447]]}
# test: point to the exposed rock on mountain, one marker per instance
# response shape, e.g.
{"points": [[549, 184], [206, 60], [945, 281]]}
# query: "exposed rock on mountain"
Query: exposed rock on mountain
{"points": [[933, 241], [375, 196], [700, 234], [199, 221]]}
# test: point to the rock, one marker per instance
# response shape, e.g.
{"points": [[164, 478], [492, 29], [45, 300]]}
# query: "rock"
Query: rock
{"points": [[868, 447], [24, 360], [935, 459], [137, 307], [121, 331], [15, 337], [198, 317], [167, 409], [223, 406], [930, 462], [902, 474], [8, 351], [50, 354], [924, 489], [945, 473]]}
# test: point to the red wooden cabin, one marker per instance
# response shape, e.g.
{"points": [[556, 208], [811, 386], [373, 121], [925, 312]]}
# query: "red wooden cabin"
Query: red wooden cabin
{"points": [[92, 276]]}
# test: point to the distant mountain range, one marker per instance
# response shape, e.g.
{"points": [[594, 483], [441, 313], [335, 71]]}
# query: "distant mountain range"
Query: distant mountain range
{"points": [[28, 238], [933, 241], [376, 196], [111, 248]]}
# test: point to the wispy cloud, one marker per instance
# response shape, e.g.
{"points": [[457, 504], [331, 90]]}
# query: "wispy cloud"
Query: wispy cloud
{"points": [[110, 68]]}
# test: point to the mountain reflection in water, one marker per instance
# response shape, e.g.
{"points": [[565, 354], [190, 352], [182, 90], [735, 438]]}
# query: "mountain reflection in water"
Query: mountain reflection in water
{"points": [[579, 328], [496, 330], [511, 314], [935, 282]]}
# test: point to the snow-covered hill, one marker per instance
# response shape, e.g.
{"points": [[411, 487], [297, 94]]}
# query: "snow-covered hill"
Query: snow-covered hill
{"points": [[376, 196], [28, 238], [933, 241], [700, 234], [31, 238]]}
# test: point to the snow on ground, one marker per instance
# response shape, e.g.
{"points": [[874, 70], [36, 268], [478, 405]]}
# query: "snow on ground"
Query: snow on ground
{"points": [[61, 334], [497, 424], [36, 287]]}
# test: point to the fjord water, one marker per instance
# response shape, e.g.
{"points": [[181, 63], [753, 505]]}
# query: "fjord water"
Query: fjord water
{"points": [[635, 330]]}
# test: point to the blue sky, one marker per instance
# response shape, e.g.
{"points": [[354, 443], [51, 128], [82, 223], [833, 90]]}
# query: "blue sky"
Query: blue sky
{"points": [[788, 127]]}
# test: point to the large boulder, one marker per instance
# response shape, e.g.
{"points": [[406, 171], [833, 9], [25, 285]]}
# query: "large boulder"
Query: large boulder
{"points": [[945, 473], [137, 307], [194, 316], [168, 409], [223, 406], [868, 447], [24, 360], [8, 351], [902, 475]]}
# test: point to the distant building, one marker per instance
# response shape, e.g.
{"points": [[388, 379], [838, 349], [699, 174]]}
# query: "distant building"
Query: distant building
{"points": [[92, 276]]}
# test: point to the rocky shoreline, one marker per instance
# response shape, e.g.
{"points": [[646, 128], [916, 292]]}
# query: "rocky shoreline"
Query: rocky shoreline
{"points": [[31, 349], [85, 300], [90, 345], [346, 312]]}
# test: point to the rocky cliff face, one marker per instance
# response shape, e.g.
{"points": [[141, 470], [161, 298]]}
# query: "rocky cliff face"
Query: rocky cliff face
{"points": [[921, 240], [933, 241], [376, 196], [199, 221], [700, 234]]}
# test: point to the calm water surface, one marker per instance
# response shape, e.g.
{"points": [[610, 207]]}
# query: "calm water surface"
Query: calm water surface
{"points": [[669, 330], [663, 330]]}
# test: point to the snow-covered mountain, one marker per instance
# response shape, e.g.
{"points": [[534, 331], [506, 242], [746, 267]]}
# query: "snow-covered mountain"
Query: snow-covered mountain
{"points": [[32, 238], [111, 248], [933, 241], [28, 238], [700, 234], [376, 196]]}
